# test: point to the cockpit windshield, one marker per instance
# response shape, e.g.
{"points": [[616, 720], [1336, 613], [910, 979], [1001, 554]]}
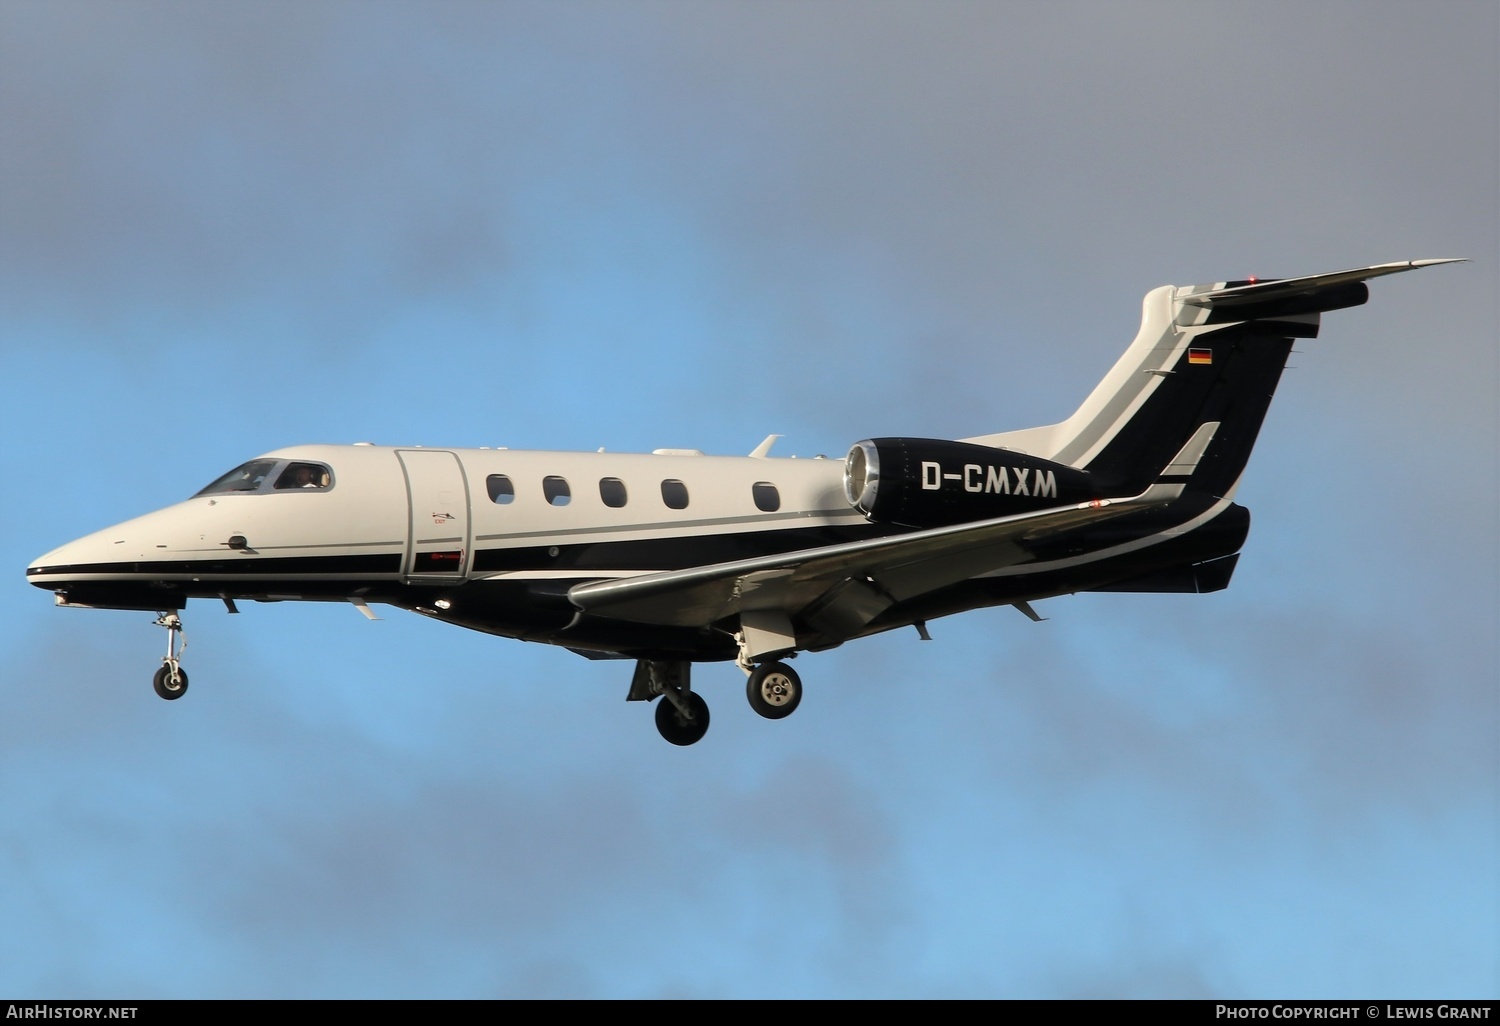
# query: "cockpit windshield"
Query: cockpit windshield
{"points": [[303, 475], [255, 476], [248, 477]]}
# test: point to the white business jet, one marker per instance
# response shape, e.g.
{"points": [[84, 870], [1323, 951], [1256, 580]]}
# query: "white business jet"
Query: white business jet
{"points": [[674, 557]]}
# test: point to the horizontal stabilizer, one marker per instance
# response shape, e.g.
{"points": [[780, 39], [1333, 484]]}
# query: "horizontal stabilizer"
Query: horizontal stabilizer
{"points": [[1290, 288]]}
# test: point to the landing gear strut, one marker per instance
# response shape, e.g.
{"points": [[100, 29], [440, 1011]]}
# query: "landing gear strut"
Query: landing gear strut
{"points": [[171, 681]]}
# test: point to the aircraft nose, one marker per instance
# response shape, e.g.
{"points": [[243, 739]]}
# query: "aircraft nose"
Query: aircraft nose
{"points": [[114, 568], [111, 551], [44, 560], [58, 566]]}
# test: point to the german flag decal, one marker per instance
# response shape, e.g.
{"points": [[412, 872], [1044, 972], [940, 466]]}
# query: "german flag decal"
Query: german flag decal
{"points": [[1204, 356]]}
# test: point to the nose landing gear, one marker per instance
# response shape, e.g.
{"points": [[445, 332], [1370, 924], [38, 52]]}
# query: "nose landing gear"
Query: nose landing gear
{"points": [[171, 681]]}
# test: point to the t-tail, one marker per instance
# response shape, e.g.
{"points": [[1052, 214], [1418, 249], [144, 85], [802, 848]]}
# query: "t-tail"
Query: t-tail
{"points": [[1185, 402]]}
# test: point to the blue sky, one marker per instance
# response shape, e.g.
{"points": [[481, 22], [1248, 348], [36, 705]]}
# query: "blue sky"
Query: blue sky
{"points": [[229, 228]]}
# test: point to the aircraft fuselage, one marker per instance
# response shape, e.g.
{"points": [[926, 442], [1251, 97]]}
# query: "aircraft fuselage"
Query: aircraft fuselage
{"points": [[492, 539], [674, 557]]}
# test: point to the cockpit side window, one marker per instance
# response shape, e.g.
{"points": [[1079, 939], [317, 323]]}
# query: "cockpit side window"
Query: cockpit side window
{"points": [[304, 475], [247, 477]]}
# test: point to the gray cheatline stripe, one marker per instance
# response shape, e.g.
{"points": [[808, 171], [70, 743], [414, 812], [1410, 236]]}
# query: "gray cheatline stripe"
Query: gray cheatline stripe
{"points": [[1119, 408], [1116, 550], [339, 545], [1079, 450], [837, 515], [562, 575], [275, 548]]}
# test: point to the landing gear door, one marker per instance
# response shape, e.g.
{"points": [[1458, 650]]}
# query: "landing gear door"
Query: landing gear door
{"points": [[437, 534]]}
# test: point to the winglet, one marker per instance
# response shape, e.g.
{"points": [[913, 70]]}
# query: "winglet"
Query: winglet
{"points": [[763, 450]]}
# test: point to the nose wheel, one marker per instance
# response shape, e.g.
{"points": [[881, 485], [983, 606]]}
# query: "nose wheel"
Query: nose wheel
{"points": [[171, 681]]}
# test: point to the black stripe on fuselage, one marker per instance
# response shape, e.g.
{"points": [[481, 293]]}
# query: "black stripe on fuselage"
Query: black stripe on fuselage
{"points": [[674, 553], [243, 566], [666, 553]]}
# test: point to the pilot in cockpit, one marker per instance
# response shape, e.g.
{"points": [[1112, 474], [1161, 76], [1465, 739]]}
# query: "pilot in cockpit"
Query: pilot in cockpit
{"points": [[303, 475]]}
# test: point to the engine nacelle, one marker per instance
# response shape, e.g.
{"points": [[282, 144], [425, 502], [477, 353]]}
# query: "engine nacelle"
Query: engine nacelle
{"points": [[931, 482]]}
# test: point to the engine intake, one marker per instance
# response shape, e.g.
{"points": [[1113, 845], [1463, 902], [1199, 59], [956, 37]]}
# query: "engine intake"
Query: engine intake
{"points": [[932, 482]]}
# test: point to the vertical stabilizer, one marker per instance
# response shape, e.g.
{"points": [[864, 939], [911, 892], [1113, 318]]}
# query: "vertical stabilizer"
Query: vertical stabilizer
{"points": [[1205, 355]]}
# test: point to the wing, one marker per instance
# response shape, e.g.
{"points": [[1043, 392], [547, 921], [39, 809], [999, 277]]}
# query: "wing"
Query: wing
{"points": [[838, 589]]}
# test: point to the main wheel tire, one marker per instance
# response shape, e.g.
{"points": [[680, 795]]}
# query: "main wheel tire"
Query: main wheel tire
{"points": [[674, 728], [162, 682], [774, 690]]}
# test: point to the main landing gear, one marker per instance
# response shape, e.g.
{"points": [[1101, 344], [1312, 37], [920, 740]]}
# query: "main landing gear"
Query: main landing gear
{"points": [[171, 681], [681, 714], [682, 717], [774, 690]]}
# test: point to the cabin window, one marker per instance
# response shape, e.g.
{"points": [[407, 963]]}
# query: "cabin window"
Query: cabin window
{"points": [[767, 498], [556, 491], [502, 491], [247, 477], [612, 491], [674, 494], [304, 475]]}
